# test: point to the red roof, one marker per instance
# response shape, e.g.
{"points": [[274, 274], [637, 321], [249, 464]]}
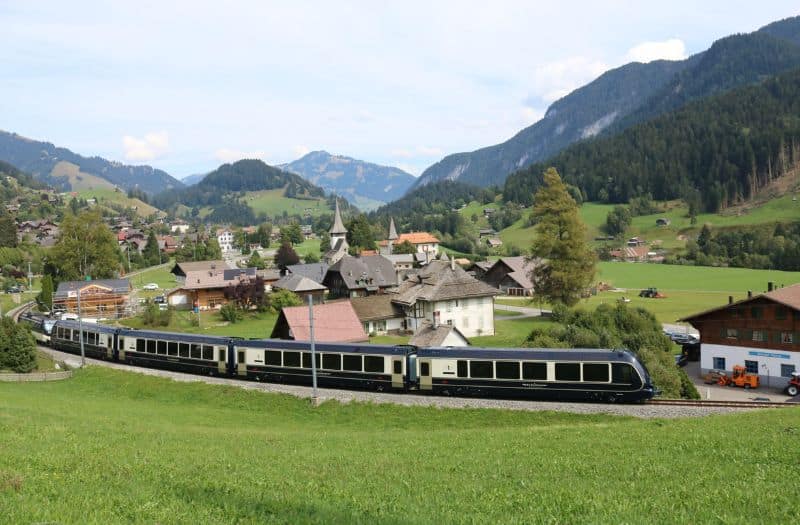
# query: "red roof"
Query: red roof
{"points": [[413, 238], [333, 323]]}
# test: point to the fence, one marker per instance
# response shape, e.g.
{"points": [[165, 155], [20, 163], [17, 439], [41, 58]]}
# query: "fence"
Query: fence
{"points": [[35, 376]]}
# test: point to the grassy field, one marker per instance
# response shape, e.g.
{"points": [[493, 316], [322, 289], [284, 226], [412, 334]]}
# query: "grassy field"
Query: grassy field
{"points": [[106, 195], [110, 447], [255, 325], [272, 203], [695, 278], [304, 248]]}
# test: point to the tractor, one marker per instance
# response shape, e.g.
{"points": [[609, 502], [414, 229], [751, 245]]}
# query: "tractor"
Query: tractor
{"points": [[651, 293], [793, 388], [740, 378]]}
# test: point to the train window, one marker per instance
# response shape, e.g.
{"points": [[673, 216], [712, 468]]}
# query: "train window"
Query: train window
{"points": [[424, 369], [272, 357], [141, 345], [461, 369], [351, 363], [398, 367], [196, 353], [568, 371], [534, 371], [332, 361], [240, 357], [595, 372], [481, 369], [75, 336], [373, 363], [161, 346], [307, 360], [184, 350], [622, 373], [291, 359], [151, 346], [208, 353], [172, 348], [507, 369]]}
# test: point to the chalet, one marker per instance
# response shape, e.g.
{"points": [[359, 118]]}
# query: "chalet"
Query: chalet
{"points": [[403, 264], [628, 254], [167, 243], [205, 289], [302, 286], [511, 275], [486, 232], [181, 269], [494, 242], [333, 323], [378, 314], [360, 276], [423, 242], [314, 271], [633, 242], [178, 226], [478, 269], [761, 332], [103, 298], [444, 293]]}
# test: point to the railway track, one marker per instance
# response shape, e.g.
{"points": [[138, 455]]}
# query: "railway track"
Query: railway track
{"points": [[718, 404]]}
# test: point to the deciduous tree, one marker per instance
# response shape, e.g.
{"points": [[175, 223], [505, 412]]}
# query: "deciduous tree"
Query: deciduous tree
{"points": [[85, 246]]}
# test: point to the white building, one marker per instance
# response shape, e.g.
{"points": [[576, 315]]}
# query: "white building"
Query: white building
{"points": [[225, 240], [443, 293]]}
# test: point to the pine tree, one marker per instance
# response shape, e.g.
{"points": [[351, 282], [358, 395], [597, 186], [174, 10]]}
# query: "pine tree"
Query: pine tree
{"points": [[45, 297], [8, 231], [567, 264], [359, 233], [151, 252]]}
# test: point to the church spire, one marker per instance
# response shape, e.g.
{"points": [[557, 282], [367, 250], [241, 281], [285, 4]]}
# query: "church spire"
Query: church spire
{"points": [[392, 230], [338, 228]]}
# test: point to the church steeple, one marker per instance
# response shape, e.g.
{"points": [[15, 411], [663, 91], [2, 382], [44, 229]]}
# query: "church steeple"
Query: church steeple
{"points": [[338, 229], [392, 230]]}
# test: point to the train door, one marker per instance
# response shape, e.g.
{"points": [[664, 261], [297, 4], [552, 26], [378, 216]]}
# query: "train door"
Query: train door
{"points": [[397, 372], [120, 354], [425, 377], [241, 362], [109, 346], [224, 355]]}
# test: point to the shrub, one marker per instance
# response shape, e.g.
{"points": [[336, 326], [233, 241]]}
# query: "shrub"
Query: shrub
{"points": [[17, 347], [280, 299], [230, 313]]}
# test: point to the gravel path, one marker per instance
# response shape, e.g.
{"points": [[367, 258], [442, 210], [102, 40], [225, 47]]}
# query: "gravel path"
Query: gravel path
{"points": [[346, 396]]}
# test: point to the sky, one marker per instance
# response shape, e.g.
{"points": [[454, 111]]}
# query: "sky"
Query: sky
{"points": [[188, 85]]}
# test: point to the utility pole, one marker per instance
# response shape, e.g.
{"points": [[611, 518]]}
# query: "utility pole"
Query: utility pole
{"points": [[30, 277], [80, 330], [314, 397]]}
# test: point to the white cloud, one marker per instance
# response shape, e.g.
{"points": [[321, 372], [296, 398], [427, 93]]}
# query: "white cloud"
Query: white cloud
{"points": [[672, 49], [402, 153], [409, 168], [301, 151], [531, 115], [554, 80], [152, 146], [232, 155], [427, 151]]}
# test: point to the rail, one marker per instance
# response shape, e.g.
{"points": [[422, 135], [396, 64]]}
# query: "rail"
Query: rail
{"points": [[719, 404]]}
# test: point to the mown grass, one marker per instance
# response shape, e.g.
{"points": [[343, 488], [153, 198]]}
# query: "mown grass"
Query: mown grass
{"points": [[273, 203], [252, 325], [111, 447]]}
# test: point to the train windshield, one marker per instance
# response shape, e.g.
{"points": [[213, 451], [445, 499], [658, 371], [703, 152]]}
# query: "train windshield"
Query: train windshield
{"points": [[47, 326]]}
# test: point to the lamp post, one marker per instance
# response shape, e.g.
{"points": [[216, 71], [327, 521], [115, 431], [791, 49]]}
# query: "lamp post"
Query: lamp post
{"points": [[314, 397], [80, 330]]}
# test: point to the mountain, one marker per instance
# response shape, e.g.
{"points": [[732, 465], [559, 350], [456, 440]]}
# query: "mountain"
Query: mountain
{"points": [[362, 183], [191, 180], [626, 96], [22, 178], [715, 152], [222, 190], [51, 164]]}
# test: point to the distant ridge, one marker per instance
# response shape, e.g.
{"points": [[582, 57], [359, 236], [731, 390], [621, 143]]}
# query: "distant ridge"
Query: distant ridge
{"points": [[40, 158]]}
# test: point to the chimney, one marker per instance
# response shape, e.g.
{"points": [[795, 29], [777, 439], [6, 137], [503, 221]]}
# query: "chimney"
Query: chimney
{"points": [[730, 299], [436, 319], [749, 294], [452, 264], [770, 286]]}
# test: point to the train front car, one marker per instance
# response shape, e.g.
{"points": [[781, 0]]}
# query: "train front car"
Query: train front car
{"points": [[40, 326], [545, 374], [98, 339], [195, 354], [357, 366]]}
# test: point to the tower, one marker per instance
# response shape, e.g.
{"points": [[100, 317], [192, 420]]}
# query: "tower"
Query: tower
{"points": [[392, 235], [338, 234]]}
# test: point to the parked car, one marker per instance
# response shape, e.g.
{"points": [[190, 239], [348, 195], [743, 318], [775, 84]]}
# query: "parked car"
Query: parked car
{"points": [[150, 286], [14, 289], [159, 299]]}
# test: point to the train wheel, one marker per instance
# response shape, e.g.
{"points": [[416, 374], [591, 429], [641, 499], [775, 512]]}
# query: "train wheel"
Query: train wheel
{"points": [[791, 390]]}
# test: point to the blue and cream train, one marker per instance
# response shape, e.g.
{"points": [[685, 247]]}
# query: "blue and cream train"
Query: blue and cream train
{"points": [[557, 374]]}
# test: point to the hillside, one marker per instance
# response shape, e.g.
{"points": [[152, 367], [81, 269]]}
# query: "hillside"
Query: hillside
{"points": [[191, 180], [717, 152], [40, 159], [225, 192], [628, 95], [362, 183]]}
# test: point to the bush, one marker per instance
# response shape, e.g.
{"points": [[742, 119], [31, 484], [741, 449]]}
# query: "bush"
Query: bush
{"points": [[17, 347], [154, 316], [280, 299], [230, 313]]}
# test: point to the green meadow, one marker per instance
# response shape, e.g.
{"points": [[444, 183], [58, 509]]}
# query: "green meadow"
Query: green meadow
{"points": [[273, 202], [112, 447]]}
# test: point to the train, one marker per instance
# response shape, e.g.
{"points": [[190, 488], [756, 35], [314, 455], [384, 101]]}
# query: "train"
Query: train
{"points": [[597, 375]]}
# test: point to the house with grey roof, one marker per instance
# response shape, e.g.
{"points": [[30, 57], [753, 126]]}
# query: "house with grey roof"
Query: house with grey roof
{"points": [[102, 298], [360, 276], [511, 275], [302, 286], [378, 314], [439, 335], [444, 293]]}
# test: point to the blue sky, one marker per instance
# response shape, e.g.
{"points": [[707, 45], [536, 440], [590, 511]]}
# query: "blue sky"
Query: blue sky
{"points": [[186, 86]]}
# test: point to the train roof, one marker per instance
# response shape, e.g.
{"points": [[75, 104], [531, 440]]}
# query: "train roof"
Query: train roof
{"points": [[87, 326], [534, 354], [352, 348], [175, 336]]}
